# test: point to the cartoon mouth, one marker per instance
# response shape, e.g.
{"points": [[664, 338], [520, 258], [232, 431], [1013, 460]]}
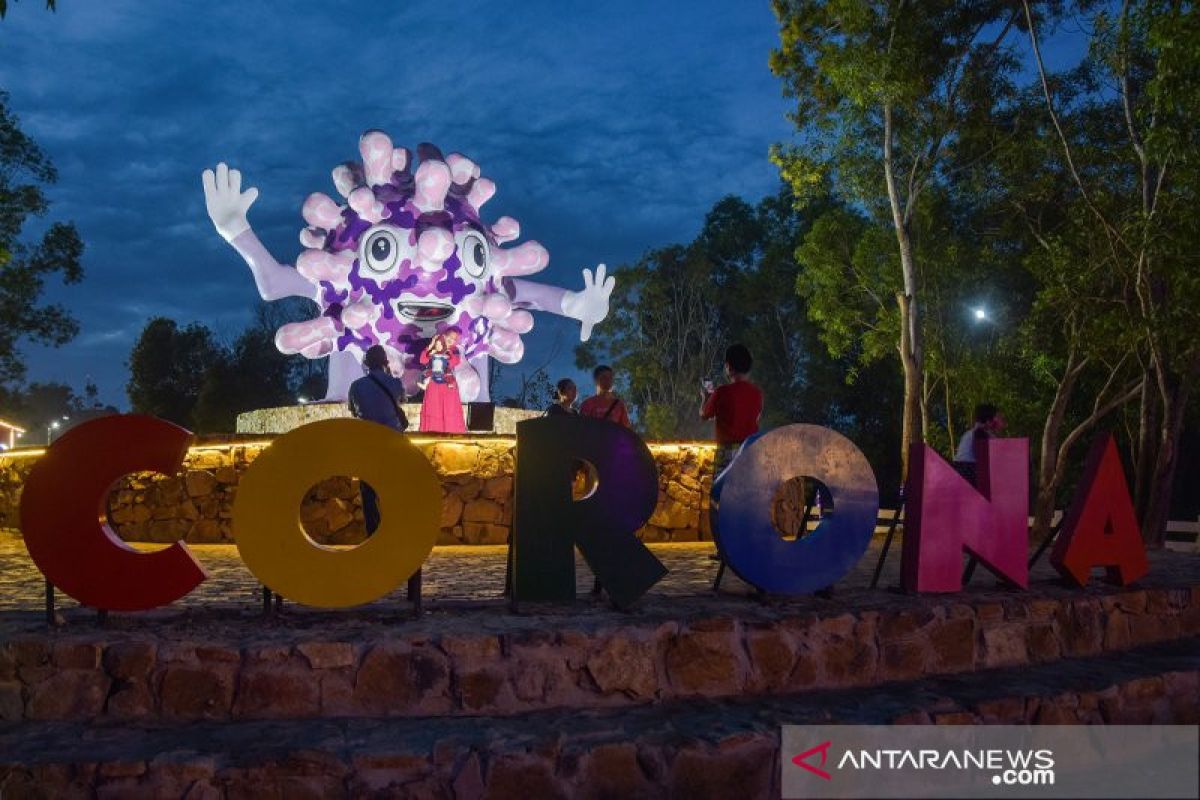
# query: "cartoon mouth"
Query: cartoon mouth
{"points": [[425, 312]]}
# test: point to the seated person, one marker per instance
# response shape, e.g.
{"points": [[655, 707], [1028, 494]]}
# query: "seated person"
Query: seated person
{"points": [[988, 423]]}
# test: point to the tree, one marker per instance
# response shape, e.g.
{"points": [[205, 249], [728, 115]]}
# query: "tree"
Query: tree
{"points": [[752, 250], [168, 368], [533, 391], [24, 268], [883, 89], [252, 374], [1124, 125], [664, 336]]}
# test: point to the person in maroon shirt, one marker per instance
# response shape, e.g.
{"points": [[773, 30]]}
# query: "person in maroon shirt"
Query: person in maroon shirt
{"points": [[604, 404], [735, 407]]}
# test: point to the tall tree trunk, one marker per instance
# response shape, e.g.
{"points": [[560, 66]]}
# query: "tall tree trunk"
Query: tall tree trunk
{"points": [[911, 425], [1158, 510], [1048, 463], [910, 321], [1146, 451], [949, 413]]}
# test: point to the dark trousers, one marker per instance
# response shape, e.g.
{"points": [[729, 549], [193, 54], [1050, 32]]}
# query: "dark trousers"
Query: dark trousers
{"points": [[370, 505]]}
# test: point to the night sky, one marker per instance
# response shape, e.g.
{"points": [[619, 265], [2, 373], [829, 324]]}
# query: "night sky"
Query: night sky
{"points": [[609, 128]]}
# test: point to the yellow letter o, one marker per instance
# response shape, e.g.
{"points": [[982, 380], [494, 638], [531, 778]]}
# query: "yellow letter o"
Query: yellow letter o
{"points": [[271, 538]]}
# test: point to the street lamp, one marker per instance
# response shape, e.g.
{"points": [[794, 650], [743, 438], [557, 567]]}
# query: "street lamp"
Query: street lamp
{"points": [[51, 428], [980, 314]]}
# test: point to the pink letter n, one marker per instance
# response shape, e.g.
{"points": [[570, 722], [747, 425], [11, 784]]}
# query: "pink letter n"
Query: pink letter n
{"points": [[947, 515]]}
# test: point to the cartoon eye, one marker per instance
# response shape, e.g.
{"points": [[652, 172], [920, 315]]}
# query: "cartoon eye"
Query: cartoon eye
{"points": [[380, 250], [473, 253]]}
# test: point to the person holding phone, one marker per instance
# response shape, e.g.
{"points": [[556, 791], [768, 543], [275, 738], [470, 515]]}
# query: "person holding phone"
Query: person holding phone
{"points": [[735, 407]]}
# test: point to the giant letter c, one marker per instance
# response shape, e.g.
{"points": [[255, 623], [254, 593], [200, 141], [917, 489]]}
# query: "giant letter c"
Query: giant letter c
{"points": [[63, 503]]}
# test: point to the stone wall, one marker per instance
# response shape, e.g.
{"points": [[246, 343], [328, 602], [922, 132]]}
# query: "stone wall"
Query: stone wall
{"points": [[246, 671], [477, 484], [285, 418]]}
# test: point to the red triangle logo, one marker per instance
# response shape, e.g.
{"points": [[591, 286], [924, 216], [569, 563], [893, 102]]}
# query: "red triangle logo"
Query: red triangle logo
{"points": [[802, 760]]}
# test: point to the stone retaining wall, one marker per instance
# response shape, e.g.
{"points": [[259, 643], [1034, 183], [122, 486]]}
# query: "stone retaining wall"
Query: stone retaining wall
{"points": [[703, 760], [110, 676], [477, 485]]}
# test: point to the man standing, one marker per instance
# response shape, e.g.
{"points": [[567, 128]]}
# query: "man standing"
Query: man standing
{"points": [[604, 404], [376, 397], [735, 406], [565, 393]]}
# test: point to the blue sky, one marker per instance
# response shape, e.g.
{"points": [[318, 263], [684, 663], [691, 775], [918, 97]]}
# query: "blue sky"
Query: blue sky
{"points": [[610, 128]]}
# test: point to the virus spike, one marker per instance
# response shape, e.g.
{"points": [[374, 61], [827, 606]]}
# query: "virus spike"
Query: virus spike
{"points": [[299, 337], [318, 349], [433, 181], [434, 247], [524, 259], [320, 265], [497, 306], [321, 212], [473, 305], [376, 150], [313, 238], [519, 321], [363, 201], [401, 159], [506, 346], [361, 312], [429, 152], [347, 177], [506, 229], [462, 169], [481, 191]]}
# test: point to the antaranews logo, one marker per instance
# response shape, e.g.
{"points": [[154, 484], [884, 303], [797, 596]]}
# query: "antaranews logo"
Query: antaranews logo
{"points": [[1017, 767], [989, 762]]}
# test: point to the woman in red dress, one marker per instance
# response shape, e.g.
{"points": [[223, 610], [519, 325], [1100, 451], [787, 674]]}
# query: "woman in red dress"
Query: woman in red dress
{"points": [[441, 410]]}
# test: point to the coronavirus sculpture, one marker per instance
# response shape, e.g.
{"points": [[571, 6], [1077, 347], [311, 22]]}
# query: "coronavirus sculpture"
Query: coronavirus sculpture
{"points": [[405, 257]]}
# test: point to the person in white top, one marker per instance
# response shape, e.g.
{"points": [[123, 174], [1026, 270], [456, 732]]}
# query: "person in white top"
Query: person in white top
{"points": [[988, 423]]}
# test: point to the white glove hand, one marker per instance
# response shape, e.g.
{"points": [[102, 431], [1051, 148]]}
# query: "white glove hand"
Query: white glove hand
{"points": [[226, 202], [589, 306]]}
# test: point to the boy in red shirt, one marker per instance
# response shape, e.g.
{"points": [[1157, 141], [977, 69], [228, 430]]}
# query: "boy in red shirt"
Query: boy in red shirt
{"points": [[604, 404], [736, 406]]}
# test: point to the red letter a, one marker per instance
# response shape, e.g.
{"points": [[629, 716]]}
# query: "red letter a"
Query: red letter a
{"points": [[1100, 529]]}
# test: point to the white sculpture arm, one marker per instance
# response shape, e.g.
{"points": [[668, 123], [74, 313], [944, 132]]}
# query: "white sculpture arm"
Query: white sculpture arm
{"points": [[589, 305], [227, 205]]}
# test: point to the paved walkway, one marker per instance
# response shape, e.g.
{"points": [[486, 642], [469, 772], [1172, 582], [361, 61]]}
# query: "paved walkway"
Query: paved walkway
{"points": [[472, 575]]}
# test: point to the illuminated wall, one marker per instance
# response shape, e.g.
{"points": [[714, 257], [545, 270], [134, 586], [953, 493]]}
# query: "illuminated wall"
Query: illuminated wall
{"points": [[476, 475]]}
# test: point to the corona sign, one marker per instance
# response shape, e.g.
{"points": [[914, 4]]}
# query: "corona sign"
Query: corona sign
{"points": [[66, 492]]}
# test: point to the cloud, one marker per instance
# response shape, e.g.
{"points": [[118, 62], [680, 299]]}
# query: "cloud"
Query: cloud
{"points": [[609, 130]]}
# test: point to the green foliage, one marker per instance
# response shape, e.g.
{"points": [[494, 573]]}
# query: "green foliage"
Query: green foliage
{"points": [[252, 374], [679, 307], [185, 375], [663, 337], [167, 369], [24, 267]]}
